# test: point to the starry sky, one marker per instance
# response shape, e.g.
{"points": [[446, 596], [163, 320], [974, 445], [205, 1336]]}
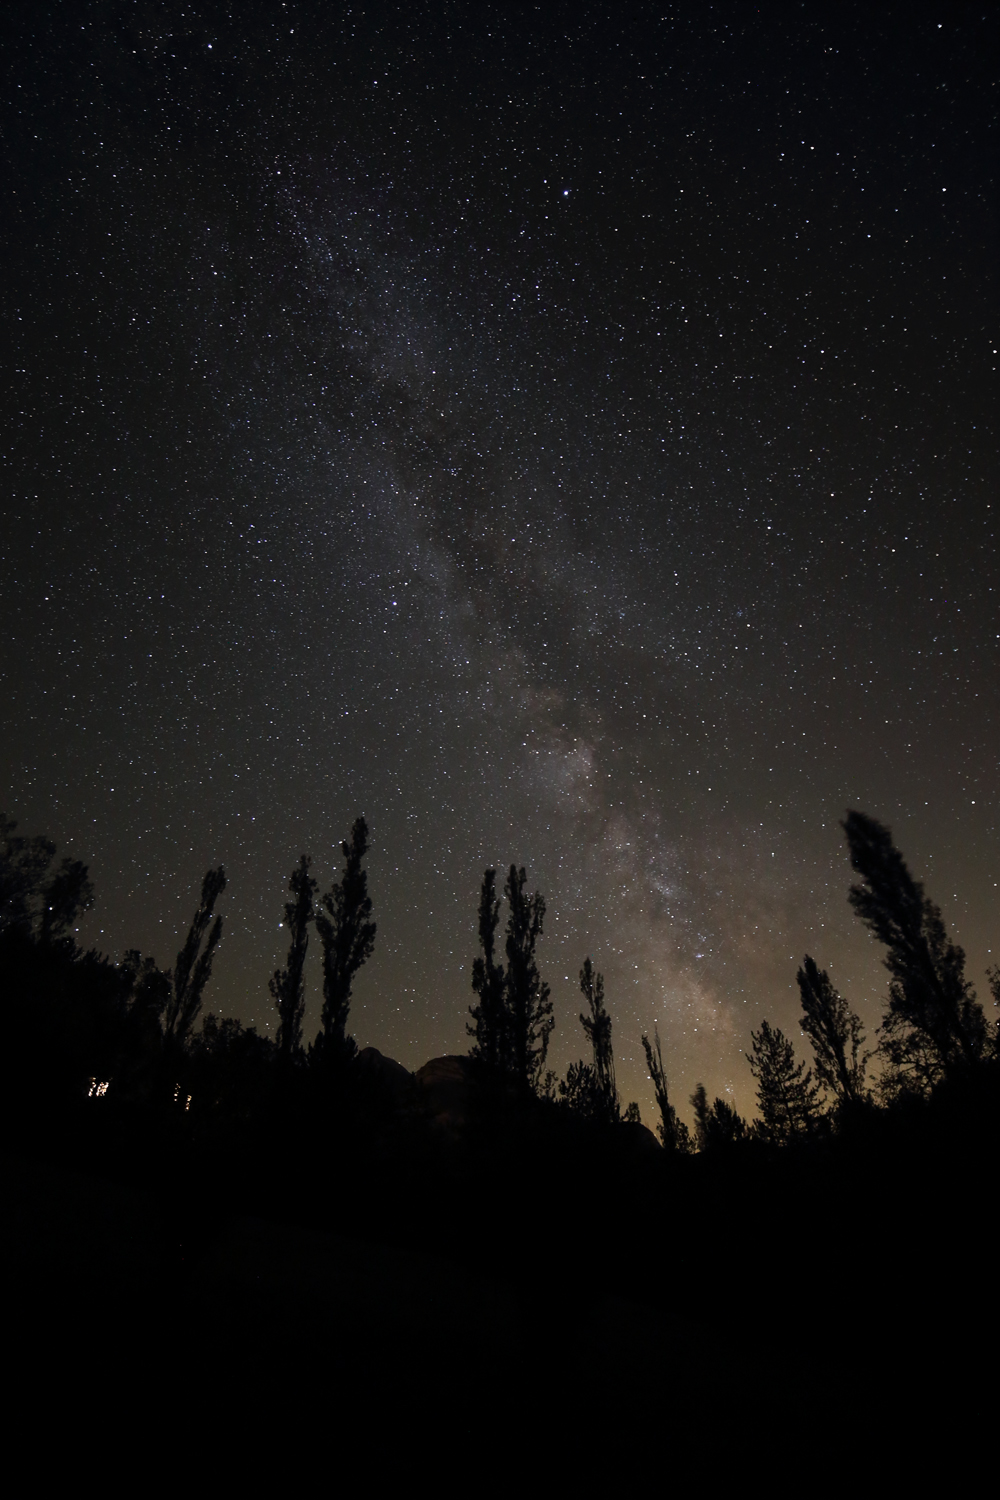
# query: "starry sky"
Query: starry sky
{"points": [[561, 434]]}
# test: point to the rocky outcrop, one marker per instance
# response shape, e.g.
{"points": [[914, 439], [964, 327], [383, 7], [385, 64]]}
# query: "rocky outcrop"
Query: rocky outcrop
{"points": [[397, 1080], [445, 1083], [640, 1138]]}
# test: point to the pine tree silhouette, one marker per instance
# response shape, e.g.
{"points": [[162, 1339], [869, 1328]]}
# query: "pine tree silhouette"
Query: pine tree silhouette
{"points": [[716, 1125], [786, 1094]]}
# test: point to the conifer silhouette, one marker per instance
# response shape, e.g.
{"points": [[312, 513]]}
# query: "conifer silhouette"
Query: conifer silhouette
{"points": [[786, 1094], [716, 1125]]}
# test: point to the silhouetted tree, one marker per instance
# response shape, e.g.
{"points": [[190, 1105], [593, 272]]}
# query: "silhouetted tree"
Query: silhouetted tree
{"points": [[148, 990], [491, 1039], [43, 902], [348, 936], [23, 865], [528, 1005], [786, 1094], [589, 1088], [699, 1103], [287, 985], [194, 962], [836, 1034], [993, 975], [934, 1023], [717, 1124], [725, 1126], [580, 1092], [67, 894], [229, 1070], [672, 1132], [597, 1027]]}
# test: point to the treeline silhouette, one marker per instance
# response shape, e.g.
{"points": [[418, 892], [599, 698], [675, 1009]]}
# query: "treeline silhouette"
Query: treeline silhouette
{"points": [[84, 1026], [867, 1162]]}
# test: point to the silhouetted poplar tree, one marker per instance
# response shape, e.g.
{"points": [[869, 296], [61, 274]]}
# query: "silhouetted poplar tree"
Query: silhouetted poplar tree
{"points": [[934, 1024], [699, 1103], [672, 1132], [786, 1094], [194, 962], [589, 1088], [491, 1041], [597, 1027], [348, 936], [513, 1019], [287, 986], [529, 1008], [836, 1034]]}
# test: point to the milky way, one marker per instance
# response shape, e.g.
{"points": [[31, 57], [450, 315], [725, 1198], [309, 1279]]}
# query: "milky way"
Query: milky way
{"points": [[565, 443]]}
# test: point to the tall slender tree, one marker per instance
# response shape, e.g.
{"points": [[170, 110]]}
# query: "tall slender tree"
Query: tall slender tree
{"points": [[347, 934], [589, 1089], [528, 1002], [287, 986], [490, 1033], [597, 1027], [934, 1024], [700, 1105], [672, 1132], [786, 1094], [193, 967], [836, 1033]]}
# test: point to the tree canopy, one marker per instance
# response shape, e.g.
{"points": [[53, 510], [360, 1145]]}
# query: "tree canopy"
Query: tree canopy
{"points": [[787, 1097], [933, 1023], [347, 934], [836, 1034]]}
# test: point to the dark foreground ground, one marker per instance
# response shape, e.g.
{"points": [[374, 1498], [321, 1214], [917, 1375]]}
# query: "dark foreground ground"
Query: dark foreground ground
{"points": [[834, 1308]]}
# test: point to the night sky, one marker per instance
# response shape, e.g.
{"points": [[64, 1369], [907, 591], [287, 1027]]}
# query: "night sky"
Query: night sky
{"points": [[561, 434]]}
